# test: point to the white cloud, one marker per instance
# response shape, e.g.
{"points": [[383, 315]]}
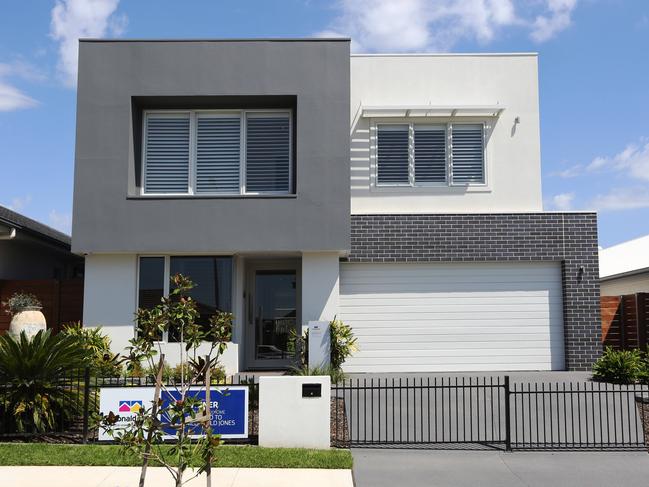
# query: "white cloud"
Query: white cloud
{"points": [[75, 19], [633, 160], [11, 97], [61, 221], [558, 18], [569, 172], [563, 201], [19, 202], [622, 199], [415, 25]]}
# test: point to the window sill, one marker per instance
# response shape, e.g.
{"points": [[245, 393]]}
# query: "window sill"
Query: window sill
{"points": [[210, 196], [431, 189]]}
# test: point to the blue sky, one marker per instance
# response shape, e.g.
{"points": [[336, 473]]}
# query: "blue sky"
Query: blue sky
{"points": [[594, 81]]}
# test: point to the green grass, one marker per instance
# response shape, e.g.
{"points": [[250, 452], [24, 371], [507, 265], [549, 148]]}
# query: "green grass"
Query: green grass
{"points": [[227, 456]]}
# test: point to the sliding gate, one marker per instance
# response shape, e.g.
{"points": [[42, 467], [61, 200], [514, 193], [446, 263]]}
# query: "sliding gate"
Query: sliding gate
{"points": [[488, 411]]}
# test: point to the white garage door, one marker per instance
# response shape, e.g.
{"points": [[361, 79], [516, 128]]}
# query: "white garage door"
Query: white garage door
{"points": [[453, 317]]}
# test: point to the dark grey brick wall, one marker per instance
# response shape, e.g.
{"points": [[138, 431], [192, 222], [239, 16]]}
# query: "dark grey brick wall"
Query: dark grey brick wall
{"points": [[570, 238]]}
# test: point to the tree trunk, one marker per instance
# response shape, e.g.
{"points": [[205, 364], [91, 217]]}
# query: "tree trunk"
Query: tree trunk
{"points": [[154, 411]]}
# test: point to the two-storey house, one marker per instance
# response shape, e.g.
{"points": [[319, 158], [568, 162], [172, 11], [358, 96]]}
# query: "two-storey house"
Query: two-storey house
{"points": [[293, 182]]}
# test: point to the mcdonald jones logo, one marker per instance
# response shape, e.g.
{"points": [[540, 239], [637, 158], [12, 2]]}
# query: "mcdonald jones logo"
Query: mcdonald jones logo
{"points": [[130, 406]]}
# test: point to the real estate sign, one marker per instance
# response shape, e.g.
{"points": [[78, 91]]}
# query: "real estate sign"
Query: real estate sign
{"points": [[229, 408]]}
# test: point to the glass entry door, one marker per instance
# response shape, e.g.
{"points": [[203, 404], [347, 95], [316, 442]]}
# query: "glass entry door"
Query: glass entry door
{"points": [[273, 315]]}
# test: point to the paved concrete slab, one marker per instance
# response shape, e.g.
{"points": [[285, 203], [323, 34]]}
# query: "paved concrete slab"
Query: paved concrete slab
{"points": [[405, 468], [159, 477]]}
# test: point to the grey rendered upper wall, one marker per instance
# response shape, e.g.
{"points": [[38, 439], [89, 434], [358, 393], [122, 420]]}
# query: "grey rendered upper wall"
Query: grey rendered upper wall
{"points": [[109, 217]]}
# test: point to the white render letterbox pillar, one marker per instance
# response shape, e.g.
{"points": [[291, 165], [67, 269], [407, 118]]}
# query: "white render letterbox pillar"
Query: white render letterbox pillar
{"points": [[319, 344], [288, 419]]}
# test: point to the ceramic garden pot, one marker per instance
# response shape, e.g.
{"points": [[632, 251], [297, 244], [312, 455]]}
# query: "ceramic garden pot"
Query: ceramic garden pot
{"points": [[30, 320]]}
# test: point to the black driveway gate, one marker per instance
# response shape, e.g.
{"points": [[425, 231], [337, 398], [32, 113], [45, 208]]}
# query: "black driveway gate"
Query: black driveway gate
{"points": [[487, 411]]}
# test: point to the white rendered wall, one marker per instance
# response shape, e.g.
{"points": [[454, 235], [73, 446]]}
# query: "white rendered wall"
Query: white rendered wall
{"points": [[288, 420], [320, 274], [110, 301], [513, 150], [109, 296]]}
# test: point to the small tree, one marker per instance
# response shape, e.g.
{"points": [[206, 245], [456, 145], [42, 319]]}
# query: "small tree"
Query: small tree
{"points": [[187, 416]]}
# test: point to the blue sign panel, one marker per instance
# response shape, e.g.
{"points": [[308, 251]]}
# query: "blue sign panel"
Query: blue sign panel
{"points": [[229, 411]]}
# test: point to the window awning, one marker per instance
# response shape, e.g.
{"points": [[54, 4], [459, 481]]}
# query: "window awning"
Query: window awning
{"points": [[431, 111]]}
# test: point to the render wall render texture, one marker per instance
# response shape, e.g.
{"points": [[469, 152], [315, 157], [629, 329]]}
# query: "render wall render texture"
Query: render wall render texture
{"points": [[513, 155], [570, 238], [118, 79]]}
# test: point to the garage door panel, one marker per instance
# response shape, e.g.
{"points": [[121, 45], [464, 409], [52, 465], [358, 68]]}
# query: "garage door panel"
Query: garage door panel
{"points": [[423, 317]]}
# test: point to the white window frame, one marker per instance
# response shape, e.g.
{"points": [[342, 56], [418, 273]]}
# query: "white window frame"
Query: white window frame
{"points": [[193, 117], [448, 124], [167, 283]]}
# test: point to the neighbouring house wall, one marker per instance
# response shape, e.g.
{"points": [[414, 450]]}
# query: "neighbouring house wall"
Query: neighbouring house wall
{"points": [[320, 285], [638, 283], [26, 257], [570, 238], [117, 79], [513, 167]]}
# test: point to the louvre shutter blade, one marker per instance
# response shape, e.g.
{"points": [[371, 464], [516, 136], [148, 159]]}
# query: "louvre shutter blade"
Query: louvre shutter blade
{"points": [[218, 154], [430, 154], [392, 154], [268, 154], [167, 154], [467, 154]]}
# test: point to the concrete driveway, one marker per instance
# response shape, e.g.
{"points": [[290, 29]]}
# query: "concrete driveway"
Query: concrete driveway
{"points": [[462, 468]]}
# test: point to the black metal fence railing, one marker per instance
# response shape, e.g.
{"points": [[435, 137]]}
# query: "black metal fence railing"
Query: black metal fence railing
{"points": [[588, 415], [74, 416], [413, 411], [488, 411]]}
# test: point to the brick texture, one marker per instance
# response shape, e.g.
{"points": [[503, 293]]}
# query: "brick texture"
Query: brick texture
{"points": [[569, 238]]}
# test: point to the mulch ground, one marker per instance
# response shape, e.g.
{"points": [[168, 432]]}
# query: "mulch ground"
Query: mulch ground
{"points": [[643, 411]]}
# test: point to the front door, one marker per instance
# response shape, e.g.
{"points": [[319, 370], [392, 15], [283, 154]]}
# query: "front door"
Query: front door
{"points": [[273, 314]]}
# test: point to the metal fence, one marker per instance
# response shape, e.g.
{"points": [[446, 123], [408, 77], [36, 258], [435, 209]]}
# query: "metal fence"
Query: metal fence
{"points": [[492, 412], [79, 393]]}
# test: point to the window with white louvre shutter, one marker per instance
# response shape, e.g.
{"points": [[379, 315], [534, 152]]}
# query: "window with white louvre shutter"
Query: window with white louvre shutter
{"points": [[218, 152], [441, 154], [218, 142], [166, 159], [430, 154], [393, 154], [467, 154], [268, 150]]}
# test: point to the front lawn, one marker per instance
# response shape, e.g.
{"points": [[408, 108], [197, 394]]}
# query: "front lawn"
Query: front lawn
{"points": [[227, 456]]}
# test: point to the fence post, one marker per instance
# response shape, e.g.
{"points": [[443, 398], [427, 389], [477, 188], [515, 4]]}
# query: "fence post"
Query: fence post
{"points": [[508, 423], [86, 403]]}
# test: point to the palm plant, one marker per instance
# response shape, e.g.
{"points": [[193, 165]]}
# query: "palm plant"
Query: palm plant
{"points": [[34, 397]]}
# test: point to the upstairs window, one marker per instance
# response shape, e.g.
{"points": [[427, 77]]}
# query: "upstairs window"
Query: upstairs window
{"points": [[413, 154], [218, 153]]}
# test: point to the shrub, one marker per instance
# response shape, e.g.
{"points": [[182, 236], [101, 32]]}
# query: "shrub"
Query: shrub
{"points": [[96, 347], [618, 366], [34, 398], [20, 301], [343, 343], [342, 346], [336, 375]]}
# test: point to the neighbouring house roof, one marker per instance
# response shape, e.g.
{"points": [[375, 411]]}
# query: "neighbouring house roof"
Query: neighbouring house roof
{"points": [[626, 258], [21, 223]]}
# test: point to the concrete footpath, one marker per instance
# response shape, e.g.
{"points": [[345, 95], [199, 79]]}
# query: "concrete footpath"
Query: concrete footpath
{"points": [[406, 468], [160, 477]]}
